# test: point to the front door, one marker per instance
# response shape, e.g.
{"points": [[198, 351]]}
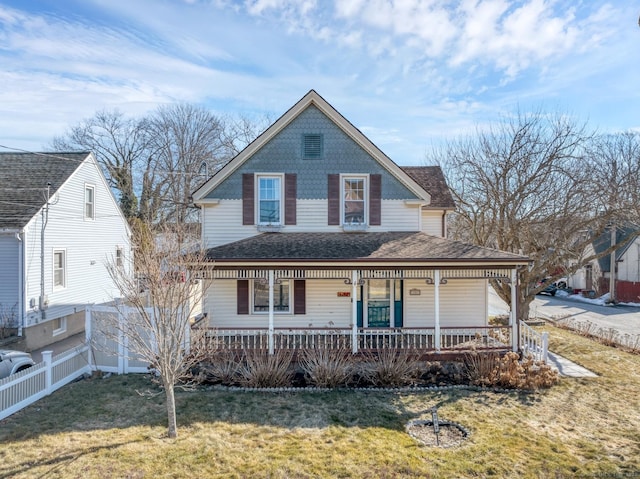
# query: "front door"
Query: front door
{"points": [[378, 303]]}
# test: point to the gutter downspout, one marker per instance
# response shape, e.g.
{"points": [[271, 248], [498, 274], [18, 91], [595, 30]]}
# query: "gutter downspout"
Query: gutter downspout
{"points": [[21, 282], [45, 220]]}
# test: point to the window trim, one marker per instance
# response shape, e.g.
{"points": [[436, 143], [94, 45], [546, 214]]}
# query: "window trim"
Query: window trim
{"points": [[92, 188], [252, 299], [57, 287], [119, 257], [365, 200], [280, 177], [63, 326]]}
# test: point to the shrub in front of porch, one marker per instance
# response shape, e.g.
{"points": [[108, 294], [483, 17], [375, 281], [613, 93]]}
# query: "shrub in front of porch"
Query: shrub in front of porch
{"points": [[327, 368], [390, 368], [489, 369]]}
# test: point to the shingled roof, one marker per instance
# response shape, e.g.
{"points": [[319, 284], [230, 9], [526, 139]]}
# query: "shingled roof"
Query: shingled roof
{"points": [[23, 182], [432, 180], [377, 247]]}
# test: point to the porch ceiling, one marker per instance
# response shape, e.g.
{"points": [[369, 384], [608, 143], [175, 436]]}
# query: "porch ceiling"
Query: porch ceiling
{"points": [[375, 248]]}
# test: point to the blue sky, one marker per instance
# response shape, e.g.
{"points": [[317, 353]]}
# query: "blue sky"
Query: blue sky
{"points": [[408, 73]]}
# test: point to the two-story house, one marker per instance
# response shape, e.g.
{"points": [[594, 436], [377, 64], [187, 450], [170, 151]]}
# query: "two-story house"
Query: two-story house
{"points": [[314, 236], [59, 228]]}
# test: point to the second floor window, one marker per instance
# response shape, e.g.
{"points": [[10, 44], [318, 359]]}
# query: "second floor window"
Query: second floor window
{"points": [[354, 196], [269, 199], [89, 202]]}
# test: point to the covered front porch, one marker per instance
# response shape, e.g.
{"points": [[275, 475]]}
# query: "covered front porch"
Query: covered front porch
{"points": [[418, 309]]}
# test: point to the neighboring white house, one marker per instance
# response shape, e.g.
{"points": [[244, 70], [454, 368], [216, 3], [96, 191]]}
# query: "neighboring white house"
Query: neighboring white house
{"points": [[59, 227], [313, 231], [596, 275]]}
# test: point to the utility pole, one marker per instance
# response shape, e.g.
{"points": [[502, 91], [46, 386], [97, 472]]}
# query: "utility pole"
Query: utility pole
{"points": [[612, 268], [45, 220]]}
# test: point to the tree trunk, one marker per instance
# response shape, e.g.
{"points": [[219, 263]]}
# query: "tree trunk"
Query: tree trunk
{"points": [[172, 430]]}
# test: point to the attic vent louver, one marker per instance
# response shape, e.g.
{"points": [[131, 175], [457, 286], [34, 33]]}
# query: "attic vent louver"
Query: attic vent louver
{"points": [[312, 146]]}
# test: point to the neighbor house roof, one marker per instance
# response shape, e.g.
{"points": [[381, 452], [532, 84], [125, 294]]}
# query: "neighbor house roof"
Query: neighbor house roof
{"points": [[432, 180], [23, 182], [624, 234], [394, 247]]}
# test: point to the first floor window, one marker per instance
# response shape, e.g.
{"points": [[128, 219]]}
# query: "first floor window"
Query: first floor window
{"points": [[281, 295], [353, 190], [59, 266], [269, 198]]}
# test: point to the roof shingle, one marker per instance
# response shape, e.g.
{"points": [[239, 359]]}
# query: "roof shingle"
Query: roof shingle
{"points": [[23, 182], [383, 246], [432, 180]]}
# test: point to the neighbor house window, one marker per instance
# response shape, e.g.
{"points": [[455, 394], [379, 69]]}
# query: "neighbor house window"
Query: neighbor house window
{"points": [[119, 256], [89, 202], [59, 269], [269, 199], [281, 295], [58, 326], [312, 146], [354, 200]]}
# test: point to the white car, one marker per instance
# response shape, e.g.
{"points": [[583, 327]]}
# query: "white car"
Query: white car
{"points": [[13, 361]]}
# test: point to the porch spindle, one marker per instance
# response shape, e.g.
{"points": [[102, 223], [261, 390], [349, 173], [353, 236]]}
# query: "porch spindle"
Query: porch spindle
{"points": [[271, 281], [436, 294], [354, 311]]}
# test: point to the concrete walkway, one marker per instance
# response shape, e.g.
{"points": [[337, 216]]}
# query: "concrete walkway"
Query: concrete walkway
{"points": [[569, 368], [59, 347]]}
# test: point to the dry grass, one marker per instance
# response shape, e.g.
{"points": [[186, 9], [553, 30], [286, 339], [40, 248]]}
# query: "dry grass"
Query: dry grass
{"points": [[101, 428], [327, 368]]}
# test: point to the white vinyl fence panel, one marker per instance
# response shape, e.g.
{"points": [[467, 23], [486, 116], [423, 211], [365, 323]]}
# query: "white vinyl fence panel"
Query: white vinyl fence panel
{"points": [[26, 387]]}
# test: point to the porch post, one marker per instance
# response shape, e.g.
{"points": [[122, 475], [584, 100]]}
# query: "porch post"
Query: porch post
{"points": [[271, 281], [354, 311], [436, 296], [513, 317]]}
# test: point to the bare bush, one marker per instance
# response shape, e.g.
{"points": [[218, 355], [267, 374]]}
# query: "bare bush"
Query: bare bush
{"points": [[261, 370], [480, 367], [327, 368], [390, 368], [222, 367]]}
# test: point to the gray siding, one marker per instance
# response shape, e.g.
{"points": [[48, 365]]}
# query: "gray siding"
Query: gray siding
{"points": [[283, 154], [9, 270]]}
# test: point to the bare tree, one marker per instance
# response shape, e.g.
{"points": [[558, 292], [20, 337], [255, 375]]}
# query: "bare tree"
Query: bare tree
{"points": [[522, 186], [188, 142], [615, 169], [158, 321], [120, 146]]}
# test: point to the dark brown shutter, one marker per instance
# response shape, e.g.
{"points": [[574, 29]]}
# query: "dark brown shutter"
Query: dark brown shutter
{"points": [[248, 199], [375, 198], [290, 197], [299, 296], [333, 199], [243, 296]]}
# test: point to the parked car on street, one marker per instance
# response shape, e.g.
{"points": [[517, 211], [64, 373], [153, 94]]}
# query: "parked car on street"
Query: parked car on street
{"points": [[550, 288], [13, 361]]}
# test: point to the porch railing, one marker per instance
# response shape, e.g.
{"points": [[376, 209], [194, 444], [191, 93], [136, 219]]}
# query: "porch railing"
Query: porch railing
{"points": [[534, 343], [366, 339]]}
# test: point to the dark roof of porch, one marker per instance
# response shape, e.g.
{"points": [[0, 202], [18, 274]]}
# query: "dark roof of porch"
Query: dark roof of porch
{"points": [[379, 247]]}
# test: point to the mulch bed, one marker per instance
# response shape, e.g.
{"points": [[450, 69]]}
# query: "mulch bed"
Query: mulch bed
{"points": [[449, 435]]}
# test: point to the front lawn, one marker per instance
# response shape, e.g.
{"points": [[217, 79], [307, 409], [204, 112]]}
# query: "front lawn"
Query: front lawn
{"points": [[102, 428]]}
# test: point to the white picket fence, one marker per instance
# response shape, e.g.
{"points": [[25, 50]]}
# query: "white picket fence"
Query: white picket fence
{"points": [[26, 387]]}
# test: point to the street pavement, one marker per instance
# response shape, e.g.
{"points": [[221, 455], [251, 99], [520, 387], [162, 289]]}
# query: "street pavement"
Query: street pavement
{"points": [[623, 319]]}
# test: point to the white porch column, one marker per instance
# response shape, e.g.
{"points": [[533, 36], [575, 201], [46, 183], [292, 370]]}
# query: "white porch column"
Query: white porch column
{"points": [[354, 311], [513, 318], [436, 296], [271, 281]]}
